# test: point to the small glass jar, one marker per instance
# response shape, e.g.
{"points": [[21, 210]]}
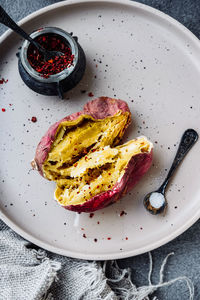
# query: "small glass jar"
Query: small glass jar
{"points": [[56, 84]]}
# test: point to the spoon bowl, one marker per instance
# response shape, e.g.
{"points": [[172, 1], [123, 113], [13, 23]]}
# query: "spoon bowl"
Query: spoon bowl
{"points": [[155, 202]]}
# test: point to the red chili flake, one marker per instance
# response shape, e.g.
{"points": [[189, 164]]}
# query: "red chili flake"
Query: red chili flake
{"points": [[123, 213], [34, 119], [93, 150], [126, 238], [97, 186], [90, 94], [86, 157], [109, 186], [141, 228], [84, 236], [98, 222], [78, 192], [109, 174], [95, 240], [3, 109], [2, 80], [75, 149], [52, 66], [10, 104], [91, 215], [82, 228], [109, 238], [76, 164]]}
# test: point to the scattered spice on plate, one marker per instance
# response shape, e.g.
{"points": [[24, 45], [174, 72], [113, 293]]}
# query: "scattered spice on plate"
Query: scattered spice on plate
{"points": [[95, 240], [91, 215], [126, 238], [84, 236], [2, 81], [90, 94], [33, 119], [122, 213], [109, 238], [54, 65], [3, 109]]}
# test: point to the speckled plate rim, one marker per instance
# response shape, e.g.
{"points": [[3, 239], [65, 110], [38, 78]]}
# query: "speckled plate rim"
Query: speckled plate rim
{"points": [[21, 231]]}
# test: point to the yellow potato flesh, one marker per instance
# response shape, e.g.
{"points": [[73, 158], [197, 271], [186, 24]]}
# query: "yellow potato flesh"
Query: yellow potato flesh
{"points": [[97, 172]]}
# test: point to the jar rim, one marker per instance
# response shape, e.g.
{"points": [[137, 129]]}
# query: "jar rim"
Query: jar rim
{"points": [[58, 76]]}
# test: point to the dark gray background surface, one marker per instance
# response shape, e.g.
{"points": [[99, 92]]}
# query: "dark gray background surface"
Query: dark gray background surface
{"points": [[186, 261]]}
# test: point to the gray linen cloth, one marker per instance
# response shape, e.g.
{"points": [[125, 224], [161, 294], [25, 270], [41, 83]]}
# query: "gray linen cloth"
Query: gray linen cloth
{"points": [[28, 273]]}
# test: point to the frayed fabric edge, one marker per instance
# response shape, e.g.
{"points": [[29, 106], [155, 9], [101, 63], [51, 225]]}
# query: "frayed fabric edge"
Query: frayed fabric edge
{"points": [[52, 273], [97, 281], [143, 293]]}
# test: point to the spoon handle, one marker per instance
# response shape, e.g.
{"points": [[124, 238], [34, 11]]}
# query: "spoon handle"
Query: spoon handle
{"points": [[188, 139], [6, 20]]}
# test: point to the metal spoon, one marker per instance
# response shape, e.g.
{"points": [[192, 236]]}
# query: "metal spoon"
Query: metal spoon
{"points": [[155, 202], [6, 20]]}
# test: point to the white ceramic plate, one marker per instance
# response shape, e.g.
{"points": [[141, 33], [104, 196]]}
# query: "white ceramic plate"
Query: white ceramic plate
{"points": [[137, 54]]}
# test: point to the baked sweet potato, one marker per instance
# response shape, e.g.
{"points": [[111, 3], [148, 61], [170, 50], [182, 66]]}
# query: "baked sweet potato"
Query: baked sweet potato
{"points": [[81, 155]]}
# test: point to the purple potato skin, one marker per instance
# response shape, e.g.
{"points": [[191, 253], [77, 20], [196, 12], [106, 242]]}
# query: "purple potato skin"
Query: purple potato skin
{"points": [[98, 108], [136, 168]]}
